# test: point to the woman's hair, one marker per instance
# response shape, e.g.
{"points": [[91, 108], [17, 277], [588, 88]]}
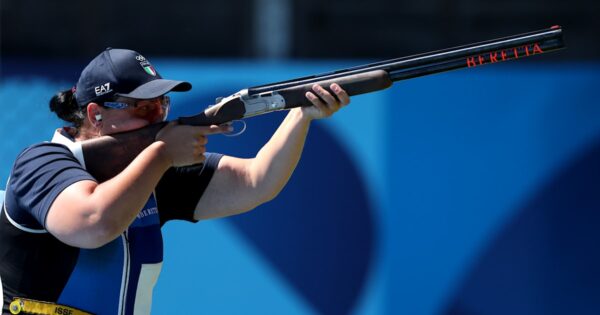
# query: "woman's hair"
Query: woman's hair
{"points": [[66, 108]]}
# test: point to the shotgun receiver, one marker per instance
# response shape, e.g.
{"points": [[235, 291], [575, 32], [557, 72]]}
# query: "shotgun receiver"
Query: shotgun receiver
{"points": [[106, 156]]}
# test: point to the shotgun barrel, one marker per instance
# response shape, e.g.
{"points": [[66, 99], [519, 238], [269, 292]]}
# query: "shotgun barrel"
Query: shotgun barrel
{"points": [[466, 56]]}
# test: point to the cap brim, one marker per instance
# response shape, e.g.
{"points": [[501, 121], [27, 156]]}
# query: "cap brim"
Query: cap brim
{"points": [[156, 88]]}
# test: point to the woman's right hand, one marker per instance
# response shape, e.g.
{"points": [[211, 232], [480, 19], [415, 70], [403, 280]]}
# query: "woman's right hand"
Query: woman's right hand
{"points": [[185, 145]]}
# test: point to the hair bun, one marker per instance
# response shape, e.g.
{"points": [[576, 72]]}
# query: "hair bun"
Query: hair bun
{"points": [[65, 106]]}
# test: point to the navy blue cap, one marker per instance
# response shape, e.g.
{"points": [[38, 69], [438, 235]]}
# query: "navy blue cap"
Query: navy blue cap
{"points": [[122, 72]]}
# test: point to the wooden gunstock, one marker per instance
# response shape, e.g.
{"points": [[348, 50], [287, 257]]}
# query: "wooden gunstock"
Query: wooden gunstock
{"points": [[107, 156]]}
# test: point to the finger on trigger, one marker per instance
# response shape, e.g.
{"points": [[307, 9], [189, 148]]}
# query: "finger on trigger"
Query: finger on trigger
{"points": [[227, 127], [214, 129]]}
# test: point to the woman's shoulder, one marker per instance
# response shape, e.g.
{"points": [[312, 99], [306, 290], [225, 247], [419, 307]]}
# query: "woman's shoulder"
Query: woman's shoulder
{"points": [[43, 153], [44, 148]]}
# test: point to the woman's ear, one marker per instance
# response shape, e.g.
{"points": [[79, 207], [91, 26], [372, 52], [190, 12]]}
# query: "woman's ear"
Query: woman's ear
{"points": [[94, 114]]}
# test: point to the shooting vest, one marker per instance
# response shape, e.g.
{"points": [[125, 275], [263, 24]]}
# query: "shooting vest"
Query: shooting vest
{"points": [[117, 278]]}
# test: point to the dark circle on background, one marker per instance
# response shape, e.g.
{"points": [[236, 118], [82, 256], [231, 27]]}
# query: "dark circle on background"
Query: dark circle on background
{"points": [[319, 232]]}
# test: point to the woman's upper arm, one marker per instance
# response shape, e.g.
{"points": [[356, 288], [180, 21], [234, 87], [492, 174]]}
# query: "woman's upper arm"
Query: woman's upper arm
{"points": [[43, 174], [71, 217], [232, 190]]}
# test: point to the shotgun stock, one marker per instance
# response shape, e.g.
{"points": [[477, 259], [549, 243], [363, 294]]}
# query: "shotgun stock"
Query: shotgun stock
{"points": [[106, 156]]}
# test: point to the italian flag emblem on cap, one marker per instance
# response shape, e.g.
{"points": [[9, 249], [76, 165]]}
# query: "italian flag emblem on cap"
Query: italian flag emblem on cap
{"points": [[150, 70]]}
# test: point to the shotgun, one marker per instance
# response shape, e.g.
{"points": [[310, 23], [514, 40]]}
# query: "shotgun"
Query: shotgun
{"points": [[107, 156]]}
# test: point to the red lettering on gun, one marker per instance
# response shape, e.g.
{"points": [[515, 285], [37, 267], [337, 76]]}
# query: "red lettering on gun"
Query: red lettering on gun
{"points": [[481, 60], [494, 57], [504, 55], [471, 62]]}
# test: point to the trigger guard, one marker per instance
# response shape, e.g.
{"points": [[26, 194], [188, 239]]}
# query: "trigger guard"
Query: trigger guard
{"points": [[234, 133]]}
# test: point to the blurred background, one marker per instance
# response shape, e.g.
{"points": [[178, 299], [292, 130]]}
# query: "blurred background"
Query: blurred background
{"points": [[471, 192]]}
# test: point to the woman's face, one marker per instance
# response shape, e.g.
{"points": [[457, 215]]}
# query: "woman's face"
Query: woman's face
{"points": [[126, 114]]}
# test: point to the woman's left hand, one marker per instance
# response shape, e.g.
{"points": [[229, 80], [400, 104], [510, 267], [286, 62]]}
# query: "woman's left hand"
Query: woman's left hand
{"points": [[326, 104]]}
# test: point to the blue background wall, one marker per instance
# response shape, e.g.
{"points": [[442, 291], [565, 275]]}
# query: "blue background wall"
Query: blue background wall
{"points": [[471, 192]]}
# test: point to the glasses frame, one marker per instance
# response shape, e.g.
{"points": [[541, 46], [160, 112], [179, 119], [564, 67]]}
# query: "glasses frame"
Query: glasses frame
{"points": [[165, 104]]}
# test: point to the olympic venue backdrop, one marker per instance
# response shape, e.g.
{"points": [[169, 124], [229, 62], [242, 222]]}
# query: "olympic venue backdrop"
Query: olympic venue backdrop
{"points": [[470, 192]]}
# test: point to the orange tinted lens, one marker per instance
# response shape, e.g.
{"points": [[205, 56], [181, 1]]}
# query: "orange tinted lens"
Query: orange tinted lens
{"points": [[151, 110]]}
